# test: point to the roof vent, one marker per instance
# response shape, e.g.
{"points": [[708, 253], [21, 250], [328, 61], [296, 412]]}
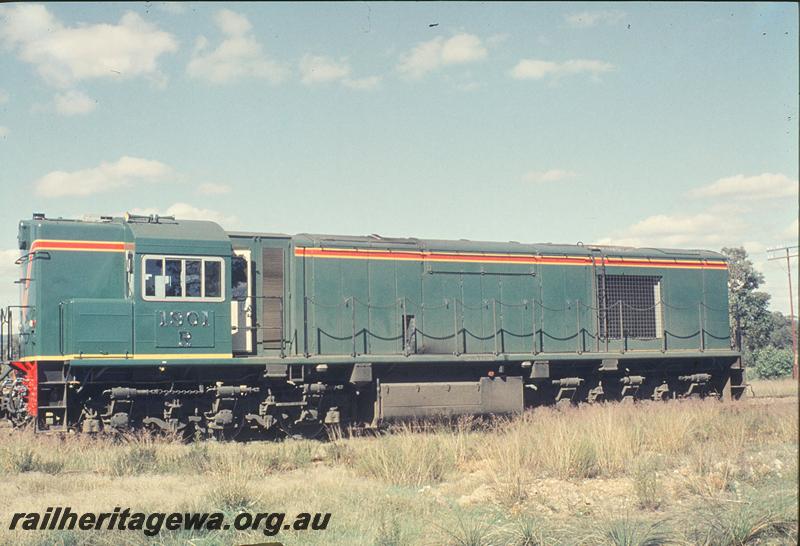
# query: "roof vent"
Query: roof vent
{"points": [[38, 216]]}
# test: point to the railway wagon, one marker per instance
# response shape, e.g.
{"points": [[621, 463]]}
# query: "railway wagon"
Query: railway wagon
{"points": [[178, 325]]}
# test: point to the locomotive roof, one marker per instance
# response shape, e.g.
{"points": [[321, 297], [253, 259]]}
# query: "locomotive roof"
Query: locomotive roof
{"points": [[511, 247], [165, 233], [149, 233]]}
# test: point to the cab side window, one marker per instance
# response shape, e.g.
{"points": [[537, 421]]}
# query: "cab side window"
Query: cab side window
{"points": [[182, 278], [152, 272], [194, 284], [239, 290], [172, 270], [213, 278]]}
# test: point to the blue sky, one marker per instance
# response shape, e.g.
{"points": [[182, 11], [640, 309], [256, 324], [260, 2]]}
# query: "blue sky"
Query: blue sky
{"points": [[645, 124]]}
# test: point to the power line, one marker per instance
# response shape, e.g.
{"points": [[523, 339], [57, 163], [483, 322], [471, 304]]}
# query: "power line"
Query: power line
{"points": [[788, 256]]}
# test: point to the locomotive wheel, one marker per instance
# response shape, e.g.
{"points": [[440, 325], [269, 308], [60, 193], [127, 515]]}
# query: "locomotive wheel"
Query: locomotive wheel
{"points": [[661, 393], [564, 403], [228, 433], [309, 430]]}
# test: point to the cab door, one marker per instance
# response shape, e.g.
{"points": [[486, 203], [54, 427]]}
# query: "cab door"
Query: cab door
{"points": [[242, 330]]}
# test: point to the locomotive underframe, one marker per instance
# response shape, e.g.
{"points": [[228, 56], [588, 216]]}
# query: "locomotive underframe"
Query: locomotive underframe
{"points": [[267, 400]]}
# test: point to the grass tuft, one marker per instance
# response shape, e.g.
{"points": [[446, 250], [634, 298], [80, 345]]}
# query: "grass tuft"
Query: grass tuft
{"points": [[134, 459], [627, 531], [233, 496], [389, 533], [406, 459], [646, 484], [18, 459], [473, 532], [529, 532], [737, 523]]}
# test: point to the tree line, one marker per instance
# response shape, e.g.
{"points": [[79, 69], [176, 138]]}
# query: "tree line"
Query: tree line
{"points": [[765, 336]]}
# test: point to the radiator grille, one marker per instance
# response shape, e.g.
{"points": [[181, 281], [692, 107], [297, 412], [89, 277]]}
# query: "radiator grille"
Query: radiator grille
{"points": [[639, 297]]}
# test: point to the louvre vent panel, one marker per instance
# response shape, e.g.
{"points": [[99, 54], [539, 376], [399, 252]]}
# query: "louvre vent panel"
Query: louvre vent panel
{"points": [[272, 297]]}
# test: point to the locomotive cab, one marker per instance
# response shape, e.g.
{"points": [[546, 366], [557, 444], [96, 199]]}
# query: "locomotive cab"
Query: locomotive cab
{"points": [[179, 281], [134, 288]]}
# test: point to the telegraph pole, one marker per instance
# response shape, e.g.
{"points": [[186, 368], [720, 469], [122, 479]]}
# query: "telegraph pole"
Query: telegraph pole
{"points": [[789, 256]]}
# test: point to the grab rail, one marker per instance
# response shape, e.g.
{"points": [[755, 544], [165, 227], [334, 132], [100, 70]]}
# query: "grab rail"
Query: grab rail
{"points": [[460, 333]]}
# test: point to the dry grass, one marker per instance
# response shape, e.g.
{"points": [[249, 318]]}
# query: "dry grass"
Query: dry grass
{"points": [[691, 472], [773, 388]]}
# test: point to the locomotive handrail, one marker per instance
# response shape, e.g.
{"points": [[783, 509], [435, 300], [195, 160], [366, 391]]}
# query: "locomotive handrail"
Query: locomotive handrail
{"points": [[2, 345], [584, 336], [23, 258], [444, 305], [704, 304], [30, 256], [523, 304], [687, 336], [9, 322], [371, 305], [9, 333], [259, 326], [325, 305]]}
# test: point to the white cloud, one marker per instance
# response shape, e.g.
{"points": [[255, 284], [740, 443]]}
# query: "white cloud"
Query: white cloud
{"points": [[9, 292], [791, 231], [64, 55], [105, 177], [73, 103], [319, 69], [585, 19], [189, 212], [3, 96], [238, 56], [232, 23], [433, 54], [370, 82], [726, 222], [7, 266], [316, 69], [754, 247], [185, 211], [4, 131], [553, 175], [536, 69], [213, 189], [762, 186], [463, 48], [713, 228]]}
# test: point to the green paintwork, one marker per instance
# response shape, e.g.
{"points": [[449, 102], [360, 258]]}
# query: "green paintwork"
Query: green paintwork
{"points": [[97, 326], [490, 308], [346, 310], [71, 290], [57, 277]]}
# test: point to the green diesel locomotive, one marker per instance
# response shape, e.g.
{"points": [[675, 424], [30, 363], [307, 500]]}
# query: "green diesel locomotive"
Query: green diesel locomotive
{"points": [[148, 321]]}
